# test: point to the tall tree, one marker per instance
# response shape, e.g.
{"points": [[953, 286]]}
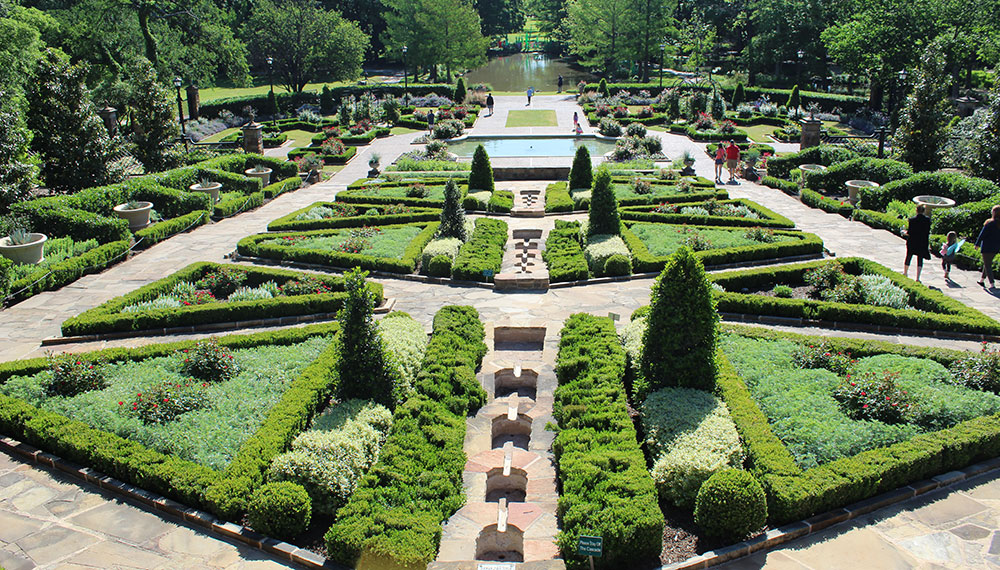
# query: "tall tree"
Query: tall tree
{"points": [[500, 16], [369, 16], [650, 21], [150, 115], [925, 114], [306, 42], [599, 33], [436, 32], [985, 159]]}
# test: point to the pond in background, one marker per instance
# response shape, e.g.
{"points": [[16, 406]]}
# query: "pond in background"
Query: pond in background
{"points": [[522, 70], [498, 147]]}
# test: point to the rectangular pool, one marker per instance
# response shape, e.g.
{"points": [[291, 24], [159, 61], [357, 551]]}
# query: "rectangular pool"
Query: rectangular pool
{"points": [[498, 147]]}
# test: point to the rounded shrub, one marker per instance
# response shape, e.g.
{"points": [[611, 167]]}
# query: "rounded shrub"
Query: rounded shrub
{"points": [[281, 509], [618, 264], [731, 504], [440, 266], [229, 497]]}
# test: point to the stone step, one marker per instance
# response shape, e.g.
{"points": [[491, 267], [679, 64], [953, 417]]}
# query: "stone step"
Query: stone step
{"points": [[526, 234], [521, 281], [533, 212]]}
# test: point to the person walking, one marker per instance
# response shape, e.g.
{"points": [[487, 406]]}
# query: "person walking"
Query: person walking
{"points": [[559, 82], [917, 234], [732, 160], [489, 103], [720, 160], [988, 243], [531, 91], [430, 120]]}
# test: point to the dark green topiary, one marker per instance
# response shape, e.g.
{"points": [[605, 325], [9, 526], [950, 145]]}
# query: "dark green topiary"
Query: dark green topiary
{"points": [[452, 214], [794, 99], [326, 102], [618, 264], [282, 509], [439, 266], [679, 341], [925, 114], [229, 497], [739, 96], [731, 504], [581, 175], [602, 88], [363, 369], [603, 212], [481, 173], [272, 104], [459, 91]]}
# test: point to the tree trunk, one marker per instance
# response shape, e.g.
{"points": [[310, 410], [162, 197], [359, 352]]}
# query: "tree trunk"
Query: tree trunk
{"points": [[147, 35]]}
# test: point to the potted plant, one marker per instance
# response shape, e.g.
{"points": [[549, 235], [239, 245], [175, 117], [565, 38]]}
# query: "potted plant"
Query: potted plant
{"points": [[135, 212], [750, 158], [22, 246], [373, 163], [261, 172], [309, 166], [208, 186], [688, 159]]}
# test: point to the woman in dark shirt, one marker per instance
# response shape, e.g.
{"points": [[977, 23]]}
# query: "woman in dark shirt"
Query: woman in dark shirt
{"points": [[917, 241], [988, 243]]}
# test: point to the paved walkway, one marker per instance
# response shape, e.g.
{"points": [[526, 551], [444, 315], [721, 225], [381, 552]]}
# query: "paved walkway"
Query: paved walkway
{"points": [[30, 496]]}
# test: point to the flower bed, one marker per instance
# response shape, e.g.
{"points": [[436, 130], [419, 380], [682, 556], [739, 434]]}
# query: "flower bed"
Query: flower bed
{"points": [[297, 294], [658, 192], [428, 193], [740, 212], [328, 215], [390, 248]]}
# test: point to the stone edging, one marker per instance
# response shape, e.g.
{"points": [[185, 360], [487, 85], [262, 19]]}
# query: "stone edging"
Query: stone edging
{"points": [[861, 327], [384, 308], [819, 522], [155, 502]]}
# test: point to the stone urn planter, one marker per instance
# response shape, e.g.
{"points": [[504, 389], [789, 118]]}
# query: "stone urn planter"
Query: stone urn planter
{"points": [[23, 247], [808, 170], [135, 213], [211, 188], [260, 172], [854, 185], [932, 203]]}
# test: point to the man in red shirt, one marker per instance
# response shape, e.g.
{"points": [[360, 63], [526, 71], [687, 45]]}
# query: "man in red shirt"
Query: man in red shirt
{"points": [[732, 160]]}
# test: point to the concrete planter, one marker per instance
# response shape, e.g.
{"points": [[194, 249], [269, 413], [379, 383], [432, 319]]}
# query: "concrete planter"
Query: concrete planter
{"points": [[854, 185], [29, 253], [264, 175], [212, 189], [137, 218], [931, 203]]}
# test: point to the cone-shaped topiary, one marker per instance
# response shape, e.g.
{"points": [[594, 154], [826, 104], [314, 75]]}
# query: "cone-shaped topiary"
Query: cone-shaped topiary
{"points": [[364, 370], [731, 504], [794, 100], [679, 341], [603, 212], [581, 174], [602, 88], [326, 103], [740, 95], [272, 104], [452, 214], [459, 91], [481, 175]]}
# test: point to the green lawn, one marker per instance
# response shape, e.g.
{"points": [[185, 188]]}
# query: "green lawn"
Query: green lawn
{"points": [[663, 239], [383, 242], [261, 87], [219, 135], [533, 118], [758, 133]]}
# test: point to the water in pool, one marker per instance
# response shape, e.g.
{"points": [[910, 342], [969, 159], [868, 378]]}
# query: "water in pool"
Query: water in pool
{"points": [[530, 146], [522, 70]]}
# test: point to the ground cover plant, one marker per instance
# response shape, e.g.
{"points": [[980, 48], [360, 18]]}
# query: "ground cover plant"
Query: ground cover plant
{"points": [[328, 215], [55, 252], [636, 191], [741, 212]]}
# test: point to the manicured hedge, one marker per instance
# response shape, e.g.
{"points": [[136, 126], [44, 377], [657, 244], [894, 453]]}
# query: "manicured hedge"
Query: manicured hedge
{"points": [[160, 231], [563, 255], [501, 201], [881, 170], [240, 163], [483, 252], [342, 158], [769, 218], [275, 189], [557, 198], [237, 205], [707, 136], [292, 101], [786, 186], [827, 155], [108, 317], [60, 220], [583, 203], [959, 187], [814, 199], [645, 262], [289, 223], [252, 246], [933, 309], [398, 508], [68, 270], [606, 489], [183, 178], [965, 219], [848, 103], [358, 192]]}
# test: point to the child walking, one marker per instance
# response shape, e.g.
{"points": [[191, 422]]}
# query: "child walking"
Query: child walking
{"points": [[948, 254]]}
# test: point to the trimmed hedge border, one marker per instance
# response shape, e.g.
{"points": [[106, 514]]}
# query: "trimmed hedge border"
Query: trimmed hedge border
{"points": [[645, 262], [288, 222], [949, 314], [483, 252], [67, 271], [275, 189], [251, 247], [160, 231], [606, 488], [563, 256], [769, 218], [557, 198], [108, 317], [653, 200], [343, 158]]}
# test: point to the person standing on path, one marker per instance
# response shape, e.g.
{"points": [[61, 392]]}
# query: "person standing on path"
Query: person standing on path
{"points": [[720, 160], [917, 235], [560, 83], [732, 160], [489, 103], [948, 253], [430, 120], [531, 91], [988, 243]]}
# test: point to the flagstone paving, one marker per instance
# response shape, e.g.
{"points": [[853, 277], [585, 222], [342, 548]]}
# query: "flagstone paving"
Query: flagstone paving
{"points": [[48, 521]]}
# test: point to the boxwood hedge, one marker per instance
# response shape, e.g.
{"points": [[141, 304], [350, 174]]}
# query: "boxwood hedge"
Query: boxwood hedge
{"points": [[290, 223], [768, 218], [479, 259]]}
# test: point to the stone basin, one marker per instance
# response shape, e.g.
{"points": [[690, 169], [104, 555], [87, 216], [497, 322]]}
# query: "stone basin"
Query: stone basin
{"points": [[932, 203], [854, 185]]}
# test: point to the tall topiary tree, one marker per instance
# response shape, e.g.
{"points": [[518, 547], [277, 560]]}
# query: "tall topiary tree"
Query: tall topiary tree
{"points": [[154, 129], [794, 99], [581, 174], [452, 215], [740, 95], [272, 104], [680, 337], [924, 117], [71, 140], [17, 172], [603, 211], [459, 91], [985, 153], [602, 88], [717, 107], [481, 175], [365, 372], [326, 103]]}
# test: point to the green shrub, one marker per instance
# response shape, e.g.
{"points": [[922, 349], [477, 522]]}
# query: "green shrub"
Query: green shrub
{"points": [[459, 95], [739, 95], [448, 247], [794, 100], [405, 341], [439, 266], [978, 371], [603, 212], [209, 362], [557, 197], [564, 256], [229, 497], [881, 170], [958, 187], [679, 343], [481, 257], [827, 155], [481, 174], [618, 264], [452, 215], [363, 366], [73, 375], [600, 249], [581, 173], [782, 291], [874, 396], [282, 509], [822, 355], [731, 504], [165, 402]]}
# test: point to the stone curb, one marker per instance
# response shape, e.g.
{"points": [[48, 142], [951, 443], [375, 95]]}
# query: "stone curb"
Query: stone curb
{"points": [[384, 308], [153, 502], [860, 327], [791, 531]]}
